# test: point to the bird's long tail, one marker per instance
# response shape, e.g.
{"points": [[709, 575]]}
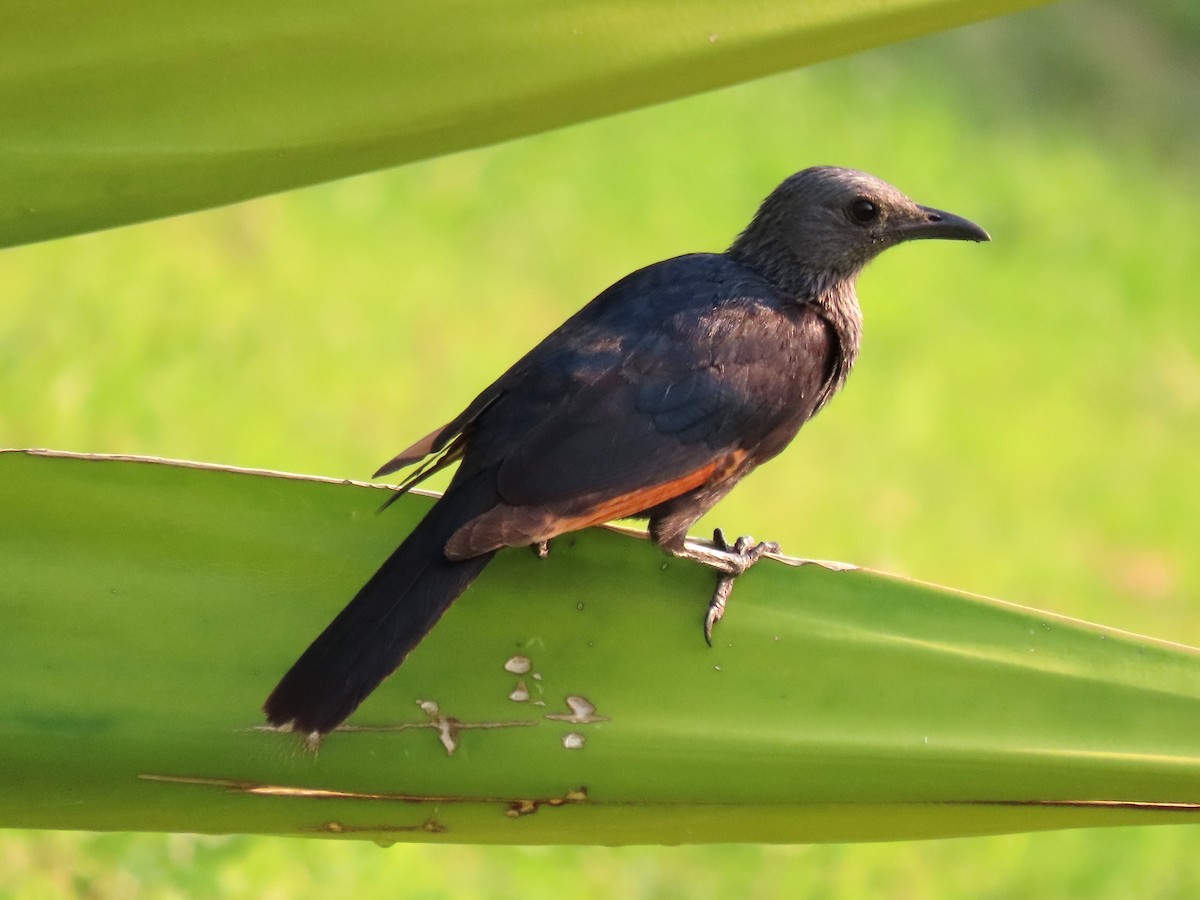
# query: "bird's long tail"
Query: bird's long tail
{"points": [[383, 623]]}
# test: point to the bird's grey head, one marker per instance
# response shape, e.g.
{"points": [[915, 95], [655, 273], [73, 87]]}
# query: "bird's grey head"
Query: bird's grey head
{"points": [[822, 225]]}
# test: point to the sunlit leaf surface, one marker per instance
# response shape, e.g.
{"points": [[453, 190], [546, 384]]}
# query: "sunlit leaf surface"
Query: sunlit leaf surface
{"points": [[148, 608], [119, 113]]}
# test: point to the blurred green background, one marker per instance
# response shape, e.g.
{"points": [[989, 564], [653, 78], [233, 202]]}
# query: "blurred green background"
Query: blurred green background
{"points": [[1024, 420]]}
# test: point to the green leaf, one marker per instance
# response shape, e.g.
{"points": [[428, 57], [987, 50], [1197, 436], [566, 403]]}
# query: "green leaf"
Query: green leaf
{"points": [[116, 113], [148, 608]]}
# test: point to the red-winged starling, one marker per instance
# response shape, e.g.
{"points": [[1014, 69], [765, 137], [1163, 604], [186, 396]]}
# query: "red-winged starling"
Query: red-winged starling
{"points": [[651, 402]]}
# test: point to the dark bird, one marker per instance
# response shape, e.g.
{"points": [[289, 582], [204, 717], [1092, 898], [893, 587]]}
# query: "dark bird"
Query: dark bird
{"points": [[651, 402]]}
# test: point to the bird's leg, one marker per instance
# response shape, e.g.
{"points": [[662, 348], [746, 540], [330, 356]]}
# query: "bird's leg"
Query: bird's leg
{"points": [[730, 561], [541, 549]]}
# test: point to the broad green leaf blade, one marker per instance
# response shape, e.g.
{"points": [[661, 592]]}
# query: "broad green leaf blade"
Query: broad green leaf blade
{"points": [[147, 609], [116, 113]]}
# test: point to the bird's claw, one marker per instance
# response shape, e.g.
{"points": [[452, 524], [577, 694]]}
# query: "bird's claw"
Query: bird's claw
{"points": [[541, 549], [739, 557], [742, 553], [716, 606]]}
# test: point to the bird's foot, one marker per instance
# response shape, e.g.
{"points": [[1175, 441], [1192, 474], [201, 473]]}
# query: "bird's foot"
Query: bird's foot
{"points": [[742, 553], [541, 549], [716, 606], [728, 559], [731, 560]]}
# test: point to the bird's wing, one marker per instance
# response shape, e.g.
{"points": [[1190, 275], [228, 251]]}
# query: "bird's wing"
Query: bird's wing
{"points": [[625, 413], [441, 439], [588, 344], [411, 454]]}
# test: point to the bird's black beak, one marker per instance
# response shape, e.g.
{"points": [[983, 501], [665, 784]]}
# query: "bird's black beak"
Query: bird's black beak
{"points": [[933, 223]]}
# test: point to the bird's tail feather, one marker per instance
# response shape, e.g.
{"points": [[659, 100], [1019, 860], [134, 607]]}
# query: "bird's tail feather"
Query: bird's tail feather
{"points": [[383, 623]]}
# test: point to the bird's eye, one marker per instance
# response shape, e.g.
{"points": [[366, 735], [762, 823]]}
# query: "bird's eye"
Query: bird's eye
{"points": [[864, 211]]}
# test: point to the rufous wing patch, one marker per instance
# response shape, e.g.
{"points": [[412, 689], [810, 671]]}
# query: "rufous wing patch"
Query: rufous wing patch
{"points": [[516, 526]]}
